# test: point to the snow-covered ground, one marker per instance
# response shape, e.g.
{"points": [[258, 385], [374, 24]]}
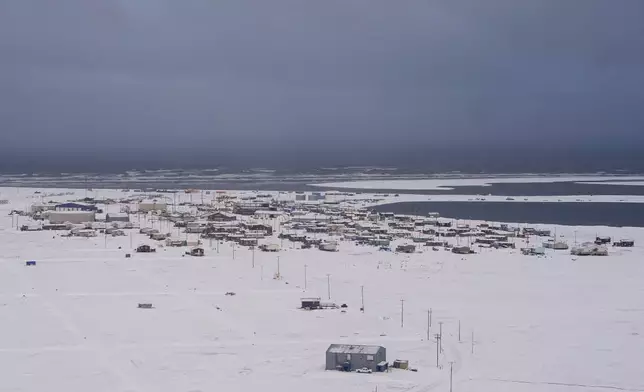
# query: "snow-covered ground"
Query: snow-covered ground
{"points": [[71, 323], [630, 183], [449, 183]]}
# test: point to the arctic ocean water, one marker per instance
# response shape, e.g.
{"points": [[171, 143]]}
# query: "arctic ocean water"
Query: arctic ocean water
{"points": [[562, 213]]}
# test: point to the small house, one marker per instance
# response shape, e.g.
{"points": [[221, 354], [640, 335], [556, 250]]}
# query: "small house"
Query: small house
{"points": [[589, 249], [30, 228], [557, 245], [267, 229], [30, 263], [379, 242], [382, 366], [504, 245], [538, 251], [175, 243], [152, 205], [485, 241], [310, 303], [462, 250], [117, 217], [602, 240], [270, 214], [328, 246], [57, 226], [197, 252], [246, 209], [349, 357], [158, 236], [401, 364], [118, 233], [624, 243], [248, 241], [409, 248], [270, 247], [220, 216], [86, 233], [145, 249]]}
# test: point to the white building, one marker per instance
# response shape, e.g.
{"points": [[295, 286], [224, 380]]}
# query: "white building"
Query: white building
{"points": [[152, 205], [56, 217], [117, 217], [40, 207]]}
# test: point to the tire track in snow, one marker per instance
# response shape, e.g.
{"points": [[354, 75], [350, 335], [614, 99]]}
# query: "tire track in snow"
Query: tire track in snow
{"points": [[563, 384], [455, 354], [230, 323], [99, 350]]}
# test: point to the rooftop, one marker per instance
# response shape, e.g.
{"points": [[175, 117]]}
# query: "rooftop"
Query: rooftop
{"points": [[353, 349]]}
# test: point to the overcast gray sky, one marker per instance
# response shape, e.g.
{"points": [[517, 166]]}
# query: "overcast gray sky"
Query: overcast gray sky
{"points": [[269, 73]]}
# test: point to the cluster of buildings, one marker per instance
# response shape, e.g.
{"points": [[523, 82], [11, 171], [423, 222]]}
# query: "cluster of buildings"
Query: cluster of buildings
{"points": [[312, 220]]}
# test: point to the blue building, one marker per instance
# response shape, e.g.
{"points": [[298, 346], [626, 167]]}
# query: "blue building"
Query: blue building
{"points": [[75, 207]]}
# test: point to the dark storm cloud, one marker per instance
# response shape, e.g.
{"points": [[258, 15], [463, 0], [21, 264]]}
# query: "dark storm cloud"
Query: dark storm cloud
{"points": [[284, 74]]}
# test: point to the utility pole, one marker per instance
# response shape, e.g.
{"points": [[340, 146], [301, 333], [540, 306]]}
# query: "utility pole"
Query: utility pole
{"points": [[438, 338], [305, 277], [362, 296], [253, 257], [451, 374], [328, 285], [430, 317], [472, 342], [233, 251], [440, 331], [217, 246], [459, 331], [428, 323], [278, 267], [402, 312]]}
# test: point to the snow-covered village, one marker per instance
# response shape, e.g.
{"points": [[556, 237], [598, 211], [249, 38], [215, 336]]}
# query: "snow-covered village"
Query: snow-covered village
{"points": [[198, 290]]}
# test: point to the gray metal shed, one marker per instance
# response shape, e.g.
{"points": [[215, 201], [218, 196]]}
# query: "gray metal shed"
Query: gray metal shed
{"points": [[350, 357]]}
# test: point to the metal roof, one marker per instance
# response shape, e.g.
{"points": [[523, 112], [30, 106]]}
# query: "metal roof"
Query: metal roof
{"points": [[353, 349]]}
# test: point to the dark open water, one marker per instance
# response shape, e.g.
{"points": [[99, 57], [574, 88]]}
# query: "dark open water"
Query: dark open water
{"points": [[562, 213]]}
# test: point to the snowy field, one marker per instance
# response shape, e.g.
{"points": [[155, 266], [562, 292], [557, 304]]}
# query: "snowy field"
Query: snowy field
{"points": [[71, 323]]}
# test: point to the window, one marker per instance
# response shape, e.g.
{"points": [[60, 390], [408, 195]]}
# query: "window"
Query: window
{"points": [[369, 357], [348, 357]]}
